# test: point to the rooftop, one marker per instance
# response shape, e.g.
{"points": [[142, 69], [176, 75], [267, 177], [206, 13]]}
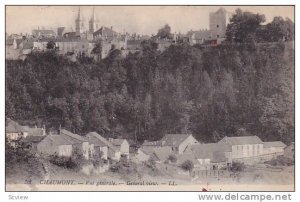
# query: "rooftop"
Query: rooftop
{"points": [[102, 139], [274, 144], [72, 135], [241, 140], [174, 139]]}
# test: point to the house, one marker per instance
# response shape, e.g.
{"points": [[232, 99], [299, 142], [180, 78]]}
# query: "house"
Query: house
{"points": [[79, 143], [14, 131], [244, 148], [97, 147], [43, 33], [275, 148], [17, 44], [55, 144], [105, 33], [33, 141], [178, 142], [211, 156], [289, 151], [122, 145], [112, 151], [27, 46], [198, 37]]}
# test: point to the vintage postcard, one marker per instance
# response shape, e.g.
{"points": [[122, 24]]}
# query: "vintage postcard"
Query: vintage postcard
{"points": [[149, 98]]}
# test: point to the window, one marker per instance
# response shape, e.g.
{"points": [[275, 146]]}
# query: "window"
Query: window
{"points": [[217, 35], [217, 26]]}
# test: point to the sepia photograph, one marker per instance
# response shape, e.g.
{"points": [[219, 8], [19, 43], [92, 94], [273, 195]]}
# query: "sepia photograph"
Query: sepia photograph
{"points": [[149, 98]]}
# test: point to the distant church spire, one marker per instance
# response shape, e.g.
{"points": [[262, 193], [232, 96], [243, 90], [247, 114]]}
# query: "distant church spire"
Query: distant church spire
{"points": [[93, 23], [79, 23]]}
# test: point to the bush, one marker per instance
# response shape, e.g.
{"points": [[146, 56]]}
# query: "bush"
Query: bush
{"points": [[172, 158], [187, 165], [237, 167], [116, 167], [62, 161], [151, 163]]}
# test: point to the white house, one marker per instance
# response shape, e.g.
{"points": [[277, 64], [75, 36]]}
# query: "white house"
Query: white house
{"points": [[178, 142], [97, 147], [244, 148], [112, 151], [122, 145], [55, 144], [79, 143], [275, 148]]}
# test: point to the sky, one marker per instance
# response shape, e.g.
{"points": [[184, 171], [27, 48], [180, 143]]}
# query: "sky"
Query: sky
{"points": [[132, 19]]}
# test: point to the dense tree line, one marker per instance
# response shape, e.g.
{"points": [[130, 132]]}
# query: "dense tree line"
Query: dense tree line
{"points": [[210, 92], [247, 27]]}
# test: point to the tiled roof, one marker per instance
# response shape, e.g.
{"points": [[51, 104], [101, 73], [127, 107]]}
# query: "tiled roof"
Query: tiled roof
{"points": [[162, 153], [95, 141], [147, 150], [274, 144], [72, 135], [102, 139], [105, 31], [59, 140], [174, 139], [242, 140]]}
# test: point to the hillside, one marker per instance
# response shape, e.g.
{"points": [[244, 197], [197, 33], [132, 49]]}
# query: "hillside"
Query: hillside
{"points": [[210, 92]]}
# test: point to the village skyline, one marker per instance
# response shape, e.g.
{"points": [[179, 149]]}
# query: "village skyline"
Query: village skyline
{"points": [[126, 18]]}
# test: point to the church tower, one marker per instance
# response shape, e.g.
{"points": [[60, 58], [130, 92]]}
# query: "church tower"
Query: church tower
{"points": [[79, 24], [93, 23]]}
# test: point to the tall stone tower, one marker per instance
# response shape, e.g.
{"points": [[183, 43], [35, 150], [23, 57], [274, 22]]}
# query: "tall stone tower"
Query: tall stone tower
{"points": [[79, 23], [93, 23], [218, 22]]}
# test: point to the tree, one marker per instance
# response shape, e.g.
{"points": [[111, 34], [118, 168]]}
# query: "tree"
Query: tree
{"points": [[277, 30], [243, 26], [187, 166], [51, 45], [164, 32]]}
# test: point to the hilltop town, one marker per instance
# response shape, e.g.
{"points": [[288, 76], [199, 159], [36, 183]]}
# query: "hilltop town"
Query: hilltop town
{"points": [[212, 106], [96, 41]]}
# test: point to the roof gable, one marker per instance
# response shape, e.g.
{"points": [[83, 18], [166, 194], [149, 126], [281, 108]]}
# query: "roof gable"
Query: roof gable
{"points": [[102, 139], [174, 139], [72, 135], [58, 140]]}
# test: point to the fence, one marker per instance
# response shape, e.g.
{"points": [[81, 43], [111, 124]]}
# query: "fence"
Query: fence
{"points": [[210, 173]]}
